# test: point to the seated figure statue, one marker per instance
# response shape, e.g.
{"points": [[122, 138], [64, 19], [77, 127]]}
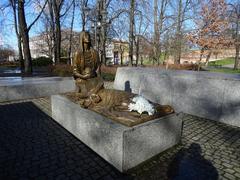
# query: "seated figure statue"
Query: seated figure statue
{"points": [[114, 104], [85, 68]]}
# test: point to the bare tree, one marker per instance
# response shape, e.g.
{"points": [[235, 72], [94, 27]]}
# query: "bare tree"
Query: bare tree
{"points": [[156, 33], [131, 31], [142, 24], [23, 31], [24, 34], [56, 8], [71, 33], [183, 6], [159, 18], [84, 10]]}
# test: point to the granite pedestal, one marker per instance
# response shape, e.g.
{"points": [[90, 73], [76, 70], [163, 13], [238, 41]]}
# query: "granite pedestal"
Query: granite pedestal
{"points": [[123, 147]]}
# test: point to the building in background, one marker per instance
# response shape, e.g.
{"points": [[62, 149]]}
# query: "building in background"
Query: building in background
{"points": [[117, 52]]}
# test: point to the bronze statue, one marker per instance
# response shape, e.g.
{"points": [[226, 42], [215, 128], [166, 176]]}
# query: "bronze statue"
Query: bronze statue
{"points": [[91, 93], [85, 68]]}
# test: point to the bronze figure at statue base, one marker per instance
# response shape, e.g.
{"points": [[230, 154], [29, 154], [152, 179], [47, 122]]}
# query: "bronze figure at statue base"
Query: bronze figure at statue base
{"points": [[126, 108]]}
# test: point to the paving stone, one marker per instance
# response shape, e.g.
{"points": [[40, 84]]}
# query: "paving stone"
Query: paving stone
{"points": [[237, 169], [227, 165], [229, 176], [237, 175], [230, 171]]}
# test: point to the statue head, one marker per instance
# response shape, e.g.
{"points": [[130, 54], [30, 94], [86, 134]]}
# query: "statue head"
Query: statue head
{"points": [[85, 41]]}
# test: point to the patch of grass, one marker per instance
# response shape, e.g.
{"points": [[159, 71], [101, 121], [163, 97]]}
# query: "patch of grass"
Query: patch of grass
{"points": [[225, 70], [226, 61], [108, 76]]}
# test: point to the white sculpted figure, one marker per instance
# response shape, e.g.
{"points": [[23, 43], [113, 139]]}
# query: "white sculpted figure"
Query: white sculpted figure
{"points": [[140, 104]]}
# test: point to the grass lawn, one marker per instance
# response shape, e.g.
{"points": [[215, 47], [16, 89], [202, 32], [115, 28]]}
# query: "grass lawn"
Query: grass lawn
{"points": [[218, 66], [225, 70], [226, 61]]}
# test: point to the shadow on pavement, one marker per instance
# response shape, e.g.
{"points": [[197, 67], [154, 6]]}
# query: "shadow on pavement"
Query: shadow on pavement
{"points": [[189, 164]]}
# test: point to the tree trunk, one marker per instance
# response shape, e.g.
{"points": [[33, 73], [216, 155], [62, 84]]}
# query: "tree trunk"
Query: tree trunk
{"points": [[131, 32], [200, 59], [156, 32], [236, 64], [20, 55], [104, 60], [141, 61], [159, 56], [177, 56], [137, 51], [208, 57], [121, 54], [71, 35], [57, 5], [165, 55], [52, 48], [161, 21], [58, 40], [237, 45], [103, 14], [25, 38]]}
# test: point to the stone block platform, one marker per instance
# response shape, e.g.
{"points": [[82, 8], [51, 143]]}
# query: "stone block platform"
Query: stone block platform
{"points": [[17, 88], [123, 147]]}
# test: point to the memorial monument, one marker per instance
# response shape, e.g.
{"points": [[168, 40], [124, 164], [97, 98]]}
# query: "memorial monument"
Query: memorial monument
{"points": [[123, 128], [123, 107]]}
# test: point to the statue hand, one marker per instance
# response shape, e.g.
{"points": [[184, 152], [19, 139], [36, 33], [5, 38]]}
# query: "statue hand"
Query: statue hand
{"points": [[81, 76]]}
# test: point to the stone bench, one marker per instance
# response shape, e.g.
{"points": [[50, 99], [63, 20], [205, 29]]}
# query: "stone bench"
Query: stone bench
{"points": [[213, 96], [24, 88]]}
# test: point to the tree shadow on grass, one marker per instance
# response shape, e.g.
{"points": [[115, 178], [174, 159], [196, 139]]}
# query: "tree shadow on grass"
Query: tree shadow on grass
{"points": [[189, 164]]}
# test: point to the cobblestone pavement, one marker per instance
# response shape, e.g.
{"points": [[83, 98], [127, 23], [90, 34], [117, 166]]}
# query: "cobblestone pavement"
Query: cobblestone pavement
{"points": [[33, 145], [209, 150]]}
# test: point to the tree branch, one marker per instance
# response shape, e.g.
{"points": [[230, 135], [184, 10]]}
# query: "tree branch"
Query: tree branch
{"points": [[117, 14], [66, 10], [35, 20]]}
